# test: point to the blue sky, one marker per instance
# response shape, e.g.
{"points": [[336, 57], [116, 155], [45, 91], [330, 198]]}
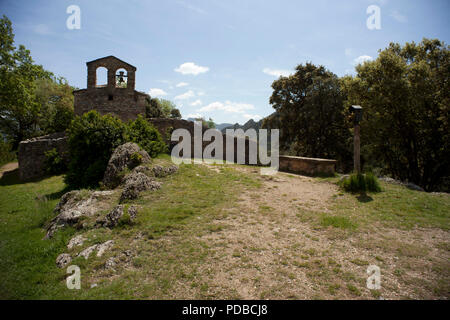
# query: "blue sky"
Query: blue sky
{"points": [[218, 58]]}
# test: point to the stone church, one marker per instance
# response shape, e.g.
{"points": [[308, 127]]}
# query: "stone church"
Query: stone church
{"points": [[117, 96]]}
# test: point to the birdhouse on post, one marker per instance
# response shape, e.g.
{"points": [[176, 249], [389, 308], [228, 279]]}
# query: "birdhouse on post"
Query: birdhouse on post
{"points": [[357, 117]]}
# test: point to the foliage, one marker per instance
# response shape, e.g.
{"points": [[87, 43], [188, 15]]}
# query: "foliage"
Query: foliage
{"points": [[92, 140], [146, 136], [161, 108], [310, 114], [19, 110], [406, 99], [54, 163], [32, 101], [6, 155], [361, 183], [55, 99]]}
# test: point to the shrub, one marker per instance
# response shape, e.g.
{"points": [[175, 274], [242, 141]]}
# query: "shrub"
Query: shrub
{"points": [[92, 140], [361, 183], [54, 163], [6, 155], [146, 136]]}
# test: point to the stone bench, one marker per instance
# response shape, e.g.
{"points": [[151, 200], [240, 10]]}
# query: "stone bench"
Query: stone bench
{"points": [[308, 166]]}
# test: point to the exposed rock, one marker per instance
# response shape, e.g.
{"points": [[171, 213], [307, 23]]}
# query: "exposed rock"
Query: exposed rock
{"points": [[409, 185], [113, 217], [121, 159], [142, 169], [110, 263], [102, 248], [136, 183], [413, 186], [160, 171], [63, 260], [76, 241], [87, 252], [74, 205], [132, 211]]}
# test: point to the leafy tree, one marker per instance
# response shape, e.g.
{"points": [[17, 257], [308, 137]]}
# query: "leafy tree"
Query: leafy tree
{"points": [[19, 109], [146, 136], [310, 114], [405, 94], [92, 140], [153, 109], [162, 108], [55, 99]]}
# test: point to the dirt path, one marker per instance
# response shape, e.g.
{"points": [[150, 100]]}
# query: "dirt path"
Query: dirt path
{"points": [[269, 249], [8, 167]]}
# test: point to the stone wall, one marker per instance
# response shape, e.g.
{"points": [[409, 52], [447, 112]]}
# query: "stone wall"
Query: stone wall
{"points": [[126, 103], [31, 154], [167, 126], [308, 166]]}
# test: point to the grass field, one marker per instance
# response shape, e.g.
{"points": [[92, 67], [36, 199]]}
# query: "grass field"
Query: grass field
{"points": [[226, 232]]}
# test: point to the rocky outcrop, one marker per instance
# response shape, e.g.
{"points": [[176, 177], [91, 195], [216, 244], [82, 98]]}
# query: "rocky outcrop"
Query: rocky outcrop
{"points": [[113, 217], [74, 205], [160, 171], [63, 260], [101, 249], [75, 242], [128, 155], [135, 183]]}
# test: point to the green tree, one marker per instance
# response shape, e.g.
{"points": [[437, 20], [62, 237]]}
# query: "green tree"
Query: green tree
{"points": [[55, 99], [405, 96], [310, 114], [92, 140], [146, 136], [19, 109], [162, 108]]}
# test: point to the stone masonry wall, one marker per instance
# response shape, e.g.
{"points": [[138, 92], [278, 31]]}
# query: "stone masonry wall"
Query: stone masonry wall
{"points": [[31, 154], [309, 166]]}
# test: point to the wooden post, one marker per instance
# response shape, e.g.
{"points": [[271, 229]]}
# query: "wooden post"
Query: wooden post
{"points": [[356, 150]]}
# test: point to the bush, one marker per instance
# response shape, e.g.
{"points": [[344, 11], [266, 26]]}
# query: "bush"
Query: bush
{"points": [[146, 136], [361, 183], [6, 155], [92, 140], [54, 163]]}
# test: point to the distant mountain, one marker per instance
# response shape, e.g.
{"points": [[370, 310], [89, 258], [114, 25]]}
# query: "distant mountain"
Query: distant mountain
{"points": [[219, 126], [249, 124]]}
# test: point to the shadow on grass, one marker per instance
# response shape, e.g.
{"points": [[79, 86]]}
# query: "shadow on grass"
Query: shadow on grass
{"points": [[12, 178], [364, 197]]}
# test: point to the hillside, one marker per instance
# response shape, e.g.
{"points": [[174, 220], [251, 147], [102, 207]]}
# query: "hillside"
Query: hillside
{"points": [[226, 232]]}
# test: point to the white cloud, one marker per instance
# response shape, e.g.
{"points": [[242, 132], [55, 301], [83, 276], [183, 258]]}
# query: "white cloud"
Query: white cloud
{"points": [[191, 68], [155, 92], [186, 95], [182, 84], [228, 106], [277, 72], [362, 59], [201, 93], [196, 103], [194, 115], [398, 16], [252, 116], [42, 29]]}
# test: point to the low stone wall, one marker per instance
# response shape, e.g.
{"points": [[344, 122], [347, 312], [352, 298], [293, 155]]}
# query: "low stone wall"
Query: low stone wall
{"points": [[166, 127], [309, 166], [31, 154]]}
